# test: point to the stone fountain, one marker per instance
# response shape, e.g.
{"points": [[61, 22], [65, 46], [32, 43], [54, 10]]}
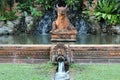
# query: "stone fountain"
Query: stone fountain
{"points": [[62, 56], [61, 52], [62, 29]]}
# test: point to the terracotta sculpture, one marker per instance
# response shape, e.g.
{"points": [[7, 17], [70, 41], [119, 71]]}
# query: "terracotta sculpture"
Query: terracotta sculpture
{"points": [[62, 23], [62, 29]]}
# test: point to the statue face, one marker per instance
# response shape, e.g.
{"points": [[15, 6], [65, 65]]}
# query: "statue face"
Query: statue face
{"points": [[61, 10], [60, 52]]}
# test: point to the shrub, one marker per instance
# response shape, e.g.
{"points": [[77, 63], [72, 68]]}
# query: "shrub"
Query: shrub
{"points": [[3, 4], [76, 4], [46, 4], [24, 5], [109, 10]]}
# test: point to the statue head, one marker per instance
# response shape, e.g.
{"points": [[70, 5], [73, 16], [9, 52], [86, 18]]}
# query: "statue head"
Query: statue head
{"points": [[61, 10]]}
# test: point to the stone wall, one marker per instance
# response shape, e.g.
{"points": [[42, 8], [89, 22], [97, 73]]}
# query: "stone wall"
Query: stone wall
{"points": [[41, 53], [24, 54]]}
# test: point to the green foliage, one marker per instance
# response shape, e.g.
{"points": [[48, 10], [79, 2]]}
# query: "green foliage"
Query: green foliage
{"points": [[28, 7], [90, 2], [110, 18], [35, 13], [108, 6], [85, 14], [8, 15], [46, 4], [108, 10], [2, 7], [25, 6], [3, 4], [75, 3], [21, 1], [10, 3], [2, 18]]}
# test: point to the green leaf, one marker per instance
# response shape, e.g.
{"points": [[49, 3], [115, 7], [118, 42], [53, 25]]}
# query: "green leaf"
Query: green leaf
{"points": [[104, 16], [109, 16], [98, 13]]}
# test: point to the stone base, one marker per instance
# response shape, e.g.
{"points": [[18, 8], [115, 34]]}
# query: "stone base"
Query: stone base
{"points": [[63, 36]]}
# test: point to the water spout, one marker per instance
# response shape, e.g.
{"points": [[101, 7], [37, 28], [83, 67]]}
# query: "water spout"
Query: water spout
{"points": [[61, 74], [61, 67]]}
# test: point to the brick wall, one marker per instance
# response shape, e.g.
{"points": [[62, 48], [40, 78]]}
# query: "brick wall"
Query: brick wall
{"points": [[40, 53]]}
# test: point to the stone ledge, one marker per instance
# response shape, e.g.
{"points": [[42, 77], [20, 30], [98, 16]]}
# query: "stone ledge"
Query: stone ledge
{"points": [[63, 40], [63, 37], [96, 53]]}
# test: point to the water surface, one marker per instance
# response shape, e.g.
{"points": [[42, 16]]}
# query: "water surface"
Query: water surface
{"points": [[45, 39]]}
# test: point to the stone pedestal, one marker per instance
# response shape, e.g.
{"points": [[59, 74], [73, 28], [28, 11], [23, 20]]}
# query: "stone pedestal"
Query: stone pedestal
{"points": [[64, 36]]}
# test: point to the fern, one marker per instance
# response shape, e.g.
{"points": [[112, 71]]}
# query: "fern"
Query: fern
{"points": [[108, 6], [108, 10]]}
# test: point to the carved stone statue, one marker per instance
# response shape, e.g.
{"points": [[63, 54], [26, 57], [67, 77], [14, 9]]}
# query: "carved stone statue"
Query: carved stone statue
{"points": [[60, 52], [62, 29]]}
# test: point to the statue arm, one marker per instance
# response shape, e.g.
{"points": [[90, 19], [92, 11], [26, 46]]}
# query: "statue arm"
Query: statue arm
{"points": [[54, 25], [71, 27]]}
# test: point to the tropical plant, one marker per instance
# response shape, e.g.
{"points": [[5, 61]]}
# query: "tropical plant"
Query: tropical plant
{"points": [[24, 5], [76, 4], [46, 4], [20, 1], [108, 10], [110, 18], [2, 6], [35, 13], [108, 6], [8, 15], [90, 2], [73, 2], [10, 4]]}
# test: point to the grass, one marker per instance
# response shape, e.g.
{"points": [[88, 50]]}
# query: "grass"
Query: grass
{"points": [[97, 72], [25, 71], [46, 70]]}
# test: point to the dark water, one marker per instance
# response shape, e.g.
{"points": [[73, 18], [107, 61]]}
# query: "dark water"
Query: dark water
{"points": [[45, 39]]}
